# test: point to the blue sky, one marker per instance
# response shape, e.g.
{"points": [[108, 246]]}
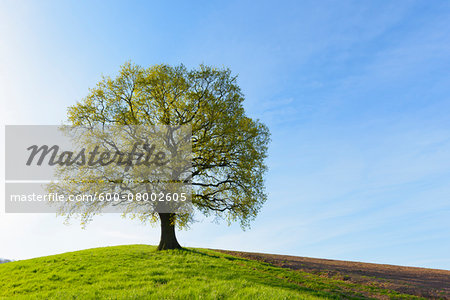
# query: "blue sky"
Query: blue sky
{"points": [[355, 93]]}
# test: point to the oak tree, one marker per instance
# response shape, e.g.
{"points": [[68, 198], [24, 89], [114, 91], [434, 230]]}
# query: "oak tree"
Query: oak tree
{"points": [[228, 147]]}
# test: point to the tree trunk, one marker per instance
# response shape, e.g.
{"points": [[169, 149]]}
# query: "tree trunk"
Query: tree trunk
{"points": [[168, 238]]}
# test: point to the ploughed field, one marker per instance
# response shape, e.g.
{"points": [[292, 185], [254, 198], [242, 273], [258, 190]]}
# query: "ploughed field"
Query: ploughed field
{"points": [[428, 283], [141, 272]]}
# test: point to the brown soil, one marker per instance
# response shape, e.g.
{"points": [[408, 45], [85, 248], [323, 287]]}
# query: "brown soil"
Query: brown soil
{"points": [[428, 283]]}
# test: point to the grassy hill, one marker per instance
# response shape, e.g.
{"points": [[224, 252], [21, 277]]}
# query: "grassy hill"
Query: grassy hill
{"points": [[141, 272]]}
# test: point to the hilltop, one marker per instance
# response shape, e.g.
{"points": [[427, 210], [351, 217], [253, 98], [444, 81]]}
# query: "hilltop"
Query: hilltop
{"points": [[141, 272]]}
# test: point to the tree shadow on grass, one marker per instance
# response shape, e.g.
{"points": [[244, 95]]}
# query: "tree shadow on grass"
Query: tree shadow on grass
{"points": [[269, 277]]}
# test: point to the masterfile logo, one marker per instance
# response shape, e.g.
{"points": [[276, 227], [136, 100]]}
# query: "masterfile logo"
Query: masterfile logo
{"points": [[101, 166]]}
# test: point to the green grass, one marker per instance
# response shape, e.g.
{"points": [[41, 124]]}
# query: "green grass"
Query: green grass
{"points": [[141, 272]]}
